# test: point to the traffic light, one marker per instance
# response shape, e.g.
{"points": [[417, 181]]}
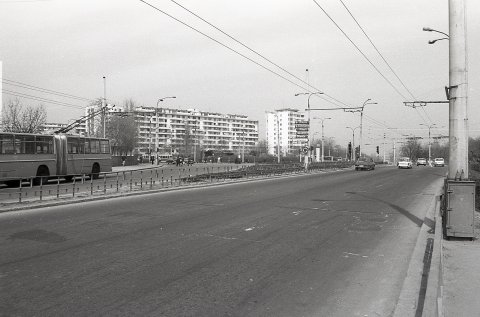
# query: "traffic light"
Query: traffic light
{"points": [[349, 150], [378, 151]]}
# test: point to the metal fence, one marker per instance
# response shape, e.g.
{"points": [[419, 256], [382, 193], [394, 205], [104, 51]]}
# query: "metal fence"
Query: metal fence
{"points": [[152, 178]]}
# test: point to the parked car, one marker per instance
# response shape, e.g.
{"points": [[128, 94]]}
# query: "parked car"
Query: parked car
{"points": [[364, 164], [404, 162], [439, 161], [421, 161]]}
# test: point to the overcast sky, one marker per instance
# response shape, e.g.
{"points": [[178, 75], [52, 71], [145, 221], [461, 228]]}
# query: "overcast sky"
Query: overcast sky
{"points": [[67, 46]]}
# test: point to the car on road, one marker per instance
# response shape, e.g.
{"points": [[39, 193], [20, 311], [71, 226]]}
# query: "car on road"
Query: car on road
{"points": [[404, 162], [364, 164], [439, 161], [421, 161]]}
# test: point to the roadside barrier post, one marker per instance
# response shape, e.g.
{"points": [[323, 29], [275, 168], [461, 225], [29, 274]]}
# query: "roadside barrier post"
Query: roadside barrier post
{"points": [[20, 193], [105, 183]]}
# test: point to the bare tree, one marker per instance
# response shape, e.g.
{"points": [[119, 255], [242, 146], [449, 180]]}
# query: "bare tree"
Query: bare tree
{"points": [[122, 129], [23, 119], [411, 148]]}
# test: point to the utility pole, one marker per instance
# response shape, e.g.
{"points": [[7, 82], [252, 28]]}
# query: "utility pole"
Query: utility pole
{"points": [[394, 158], [384, 148], [278, 138], [104, 105], [458, 88]]}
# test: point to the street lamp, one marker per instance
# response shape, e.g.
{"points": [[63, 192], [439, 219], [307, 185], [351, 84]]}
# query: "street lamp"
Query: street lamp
{"points": [[156, 116], [360, 109], [323, 136], [353, 141], [308, 121], [427, 29], [429, 142]]}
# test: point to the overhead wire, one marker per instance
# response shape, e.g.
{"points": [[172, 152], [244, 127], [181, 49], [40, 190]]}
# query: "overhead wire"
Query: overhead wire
{"points": [[36, 98], [370, 62], [43, 90], [336, 101], [261, 55], [360, 51], [385, 60]]}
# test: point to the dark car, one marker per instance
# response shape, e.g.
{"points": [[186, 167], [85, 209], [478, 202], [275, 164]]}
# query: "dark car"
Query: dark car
{"points": [[364, 164], [189, 161]]}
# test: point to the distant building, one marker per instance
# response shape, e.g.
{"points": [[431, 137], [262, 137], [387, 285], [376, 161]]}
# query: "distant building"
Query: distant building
{"points": [[50, 128], [281, 132]]}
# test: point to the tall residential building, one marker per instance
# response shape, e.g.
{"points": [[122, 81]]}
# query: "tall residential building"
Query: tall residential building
{"points": [[166, 130], [281, 133]]}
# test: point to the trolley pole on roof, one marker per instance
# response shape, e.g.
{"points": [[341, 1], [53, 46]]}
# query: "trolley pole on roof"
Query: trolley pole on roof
{"points": [[458, 88]]}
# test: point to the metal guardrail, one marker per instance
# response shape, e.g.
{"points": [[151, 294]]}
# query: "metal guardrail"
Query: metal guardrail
{"points": [[151, 178]]}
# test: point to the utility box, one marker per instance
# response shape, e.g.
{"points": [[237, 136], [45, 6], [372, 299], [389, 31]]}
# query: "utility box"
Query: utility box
{"points": [[460, 208]]}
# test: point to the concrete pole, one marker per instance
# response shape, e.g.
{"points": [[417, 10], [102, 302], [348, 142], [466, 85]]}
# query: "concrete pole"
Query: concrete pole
{"points": [[361, 132], [429, 147], [458, 116], [394, 158], [353, 145], [104, 105], [278, 139], [1, 97], [323, 140], [309, 152], [384, 148]]}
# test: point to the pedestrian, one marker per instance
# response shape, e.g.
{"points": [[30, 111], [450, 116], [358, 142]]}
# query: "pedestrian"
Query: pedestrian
{"points": [[123, 160], [152, 159], [177, 161]]}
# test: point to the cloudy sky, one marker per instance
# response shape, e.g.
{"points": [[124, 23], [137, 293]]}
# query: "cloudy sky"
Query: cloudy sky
{"points": [[152, 49]]}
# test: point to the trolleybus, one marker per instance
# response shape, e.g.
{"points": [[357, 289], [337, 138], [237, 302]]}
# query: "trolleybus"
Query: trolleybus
{"points": [[39, 156]]}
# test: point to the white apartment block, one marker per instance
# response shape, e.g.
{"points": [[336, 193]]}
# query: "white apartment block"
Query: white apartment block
{"points": [[177, 131], [166, 130], [50, 128], [281, 132]]}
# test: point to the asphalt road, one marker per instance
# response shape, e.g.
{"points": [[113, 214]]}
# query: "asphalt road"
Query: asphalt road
{"points": [[333, 244]]}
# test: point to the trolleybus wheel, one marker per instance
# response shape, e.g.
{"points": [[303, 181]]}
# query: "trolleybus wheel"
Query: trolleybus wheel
{"points": [[42, 175]]}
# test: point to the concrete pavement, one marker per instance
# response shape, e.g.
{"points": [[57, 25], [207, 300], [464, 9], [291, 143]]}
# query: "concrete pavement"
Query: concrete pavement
{"points": [[459, 264], [454, 277]]}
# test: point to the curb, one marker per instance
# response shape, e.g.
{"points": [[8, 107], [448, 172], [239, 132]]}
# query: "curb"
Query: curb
{"points": [[433, 298], [408, 302]]}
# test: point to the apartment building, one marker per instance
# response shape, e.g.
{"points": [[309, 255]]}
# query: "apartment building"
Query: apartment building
{"points": [[281, 132]]}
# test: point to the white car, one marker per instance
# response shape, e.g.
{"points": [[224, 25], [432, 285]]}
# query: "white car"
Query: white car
{"points": [[439, 161], [404, 162]]}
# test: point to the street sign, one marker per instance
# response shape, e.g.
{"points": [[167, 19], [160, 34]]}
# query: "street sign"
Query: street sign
{"points": [[301, 128]]}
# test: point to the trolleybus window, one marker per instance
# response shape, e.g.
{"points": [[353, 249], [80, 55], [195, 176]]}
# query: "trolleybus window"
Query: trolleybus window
{"points": [[73, 146], [105, 146], [44, 144], [6, 144]]}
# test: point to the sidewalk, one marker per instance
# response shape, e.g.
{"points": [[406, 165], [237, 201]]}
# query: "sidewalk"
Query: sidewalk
{"points": [[460, 267]]}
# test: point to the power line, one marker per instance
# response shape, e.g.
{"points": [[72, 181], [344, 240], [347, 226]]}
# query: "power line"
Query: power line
{"points": [[371, 63], [259, 54], [375, 47], [44, 90], [360, 51], [36, 98], [243, 55]]}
